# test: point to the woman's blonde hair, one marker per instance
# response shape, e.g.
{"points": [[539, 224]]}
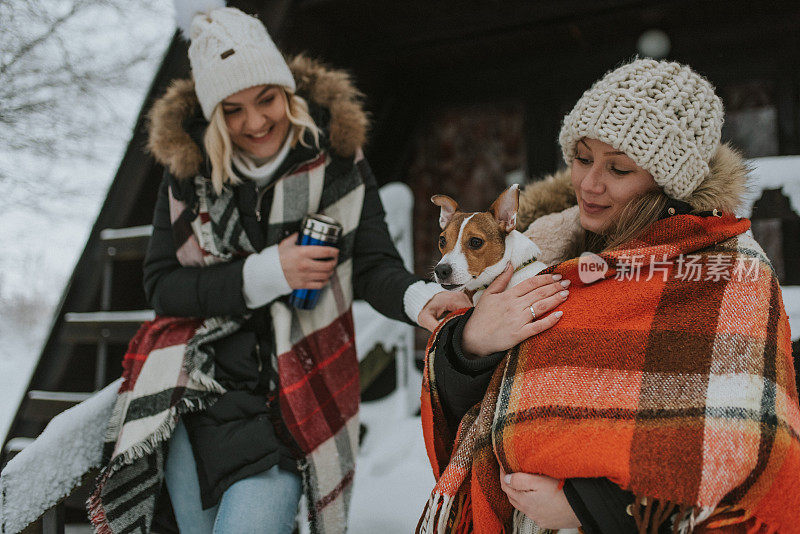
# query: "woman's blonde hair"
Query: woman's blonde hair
{"points": [[634, 218], [219, 147]]}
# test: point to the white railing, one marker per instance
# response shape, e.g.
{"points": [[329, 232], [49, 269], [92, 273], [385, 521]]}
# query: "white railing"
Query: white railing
{"points": [[373, 328]]}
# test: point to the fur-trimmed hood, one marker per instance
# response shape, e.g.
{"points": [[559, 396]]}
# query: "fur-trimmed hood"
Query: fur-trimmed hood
{"points": [[548, 213], [174, 147]]}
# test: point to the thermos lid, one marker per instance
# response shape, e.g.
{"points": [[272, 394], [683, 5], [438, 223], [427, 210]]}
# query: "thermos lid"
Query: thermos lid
{"points": [[322, 224]]}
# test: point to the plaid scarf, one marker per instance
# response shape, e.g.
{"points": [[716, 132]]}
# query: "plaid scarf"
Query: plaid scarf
{"points": [[671, 375], [168, 369]]}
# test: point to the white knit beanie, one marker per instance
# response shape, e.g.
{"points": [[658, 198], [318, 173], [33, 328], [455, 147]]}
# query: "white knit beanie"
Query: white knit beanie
{"points": [[661, 114], [231, 51]]}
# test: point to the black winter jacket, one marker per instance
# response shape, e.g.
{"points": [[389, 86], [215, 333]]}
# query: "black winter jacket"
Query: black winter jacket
{"points": [[235, 438], [242, 434]]}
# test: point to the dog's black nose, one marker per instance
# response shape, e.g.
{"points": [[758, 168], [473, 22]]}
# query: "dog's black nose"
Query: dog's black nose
{"points": [[443, 271]]}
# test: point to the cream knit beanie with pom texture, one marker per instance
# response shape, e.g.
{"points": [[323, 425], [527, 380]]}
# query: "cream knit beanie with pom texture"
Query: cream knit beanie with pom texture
{"points": [[230, 51], [661, 114]]}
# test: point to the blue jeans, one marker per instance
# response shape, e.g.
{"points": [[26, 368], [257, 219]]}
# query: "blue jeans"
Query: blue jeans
{"points": [[265, 503]]}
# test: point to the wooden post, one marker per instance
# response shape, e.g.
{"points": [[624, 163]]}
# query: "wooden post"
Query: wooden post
{"points": [[53, 520], [769, 234]]}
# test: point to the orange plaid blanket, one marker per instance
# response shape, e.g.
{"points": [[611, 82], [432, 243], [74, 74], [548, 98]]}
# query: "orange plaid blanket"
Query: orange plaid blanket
{"points": [[671, 374]]}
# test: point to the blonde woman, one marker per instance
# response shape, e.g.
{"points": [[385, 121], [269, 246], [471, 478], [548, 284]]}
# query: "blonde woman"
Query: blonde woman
{"points": [[238, 400]]}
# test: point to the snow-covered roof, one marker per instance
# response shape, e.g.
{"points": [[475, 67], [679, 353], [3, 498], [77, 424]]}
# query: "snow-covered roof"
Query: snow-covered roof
{"points": [[777, 172]]}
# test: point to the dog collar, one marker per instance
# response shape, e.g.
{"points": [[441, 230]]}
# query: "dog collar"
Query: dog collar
{"points": [[519, 268]]}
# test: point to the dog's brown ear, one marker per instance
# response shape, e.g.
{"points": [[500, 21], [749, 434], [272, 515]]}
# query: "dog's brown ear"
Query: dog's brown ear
{"points": [[505, 208], [449, 207]]}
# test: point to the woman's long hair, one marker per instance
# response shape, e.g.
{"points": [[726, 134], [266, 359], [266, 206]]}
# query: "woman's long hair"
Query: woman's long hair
{"points": [[634, 218], [219, 147]]}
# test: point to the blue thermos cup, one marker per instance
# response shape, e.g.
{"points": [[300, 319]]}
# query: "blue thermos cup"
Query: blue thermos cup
{"points": [[317, 230]]}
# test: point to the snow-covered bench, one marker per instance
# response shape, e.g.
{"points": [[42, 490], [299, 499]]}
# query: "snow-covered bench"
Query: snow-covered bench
{"points": [[54, 464]]}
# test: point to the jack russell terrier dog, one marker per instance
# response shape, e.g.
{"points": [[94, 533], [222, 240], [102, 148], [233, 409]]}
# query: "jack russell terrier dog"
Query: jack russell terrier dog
{"points": [[476, 247]]}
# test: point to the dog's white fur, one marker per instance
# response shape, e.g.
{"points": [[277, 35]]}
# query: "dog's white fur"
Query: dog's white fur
{"points": [[518, 250], [456, 257]]}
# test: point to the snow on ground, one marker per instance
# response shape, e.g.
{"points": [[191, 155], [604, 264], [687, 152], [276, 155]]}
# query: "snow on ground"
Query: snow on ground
{"points": [[393, 477]]}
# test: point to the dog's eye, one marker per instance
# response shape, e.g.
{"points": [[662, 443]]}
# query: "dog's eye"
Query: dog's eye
{"points": [[475, 243], [442, 241]]}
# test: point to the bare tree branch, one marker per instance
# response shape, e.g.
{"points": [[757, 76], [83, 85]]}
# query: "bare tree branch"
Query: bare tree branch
{"points": [[33, 43], [69, 73]]}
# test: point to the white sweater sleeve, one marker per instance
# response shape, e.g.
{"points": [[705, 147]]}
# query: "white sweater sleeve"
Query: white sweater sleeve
{"points": [[262, 278], [417, 296]]}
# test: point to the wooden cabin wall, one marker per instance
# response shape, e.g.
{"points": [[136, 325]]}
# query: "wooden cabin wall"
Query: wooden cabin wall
{"points": [[419, 61]]}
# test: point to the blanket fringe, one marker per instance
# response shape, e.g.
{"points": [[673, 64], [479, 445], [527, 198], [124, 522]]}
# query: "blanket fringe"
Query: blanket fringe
{"points": [[193, 355], [424, 520], [436, 515], [650, 514], [736, 516], [689, 517], [97, 514], [163, 432], [94, 503], [117, 412], [444, 514], [464, 515], [207, 382]]}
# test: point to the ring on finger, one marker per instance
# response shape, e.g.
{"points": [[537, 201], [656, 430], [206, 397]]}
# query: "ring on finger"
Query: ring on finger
{"points": [[532, 312]]}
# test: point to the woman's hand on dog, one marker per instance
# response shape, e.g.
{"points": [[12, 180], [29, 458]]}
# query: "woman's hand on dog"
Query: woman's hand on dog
{"points": [[540, 498], [502, 317], [306, 266], [440, 305]]}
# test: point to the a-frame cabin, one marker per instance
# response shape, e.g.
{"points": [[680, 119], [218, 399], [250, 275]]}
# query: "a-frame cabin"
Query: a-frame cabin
{"points": [[464, 96]]}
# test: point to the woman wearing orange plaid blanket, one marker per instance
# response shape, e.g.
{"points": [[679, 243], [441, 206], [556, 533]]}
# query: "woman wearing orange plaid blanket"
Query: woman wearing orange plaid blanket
{"points": [[664, 398]]}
